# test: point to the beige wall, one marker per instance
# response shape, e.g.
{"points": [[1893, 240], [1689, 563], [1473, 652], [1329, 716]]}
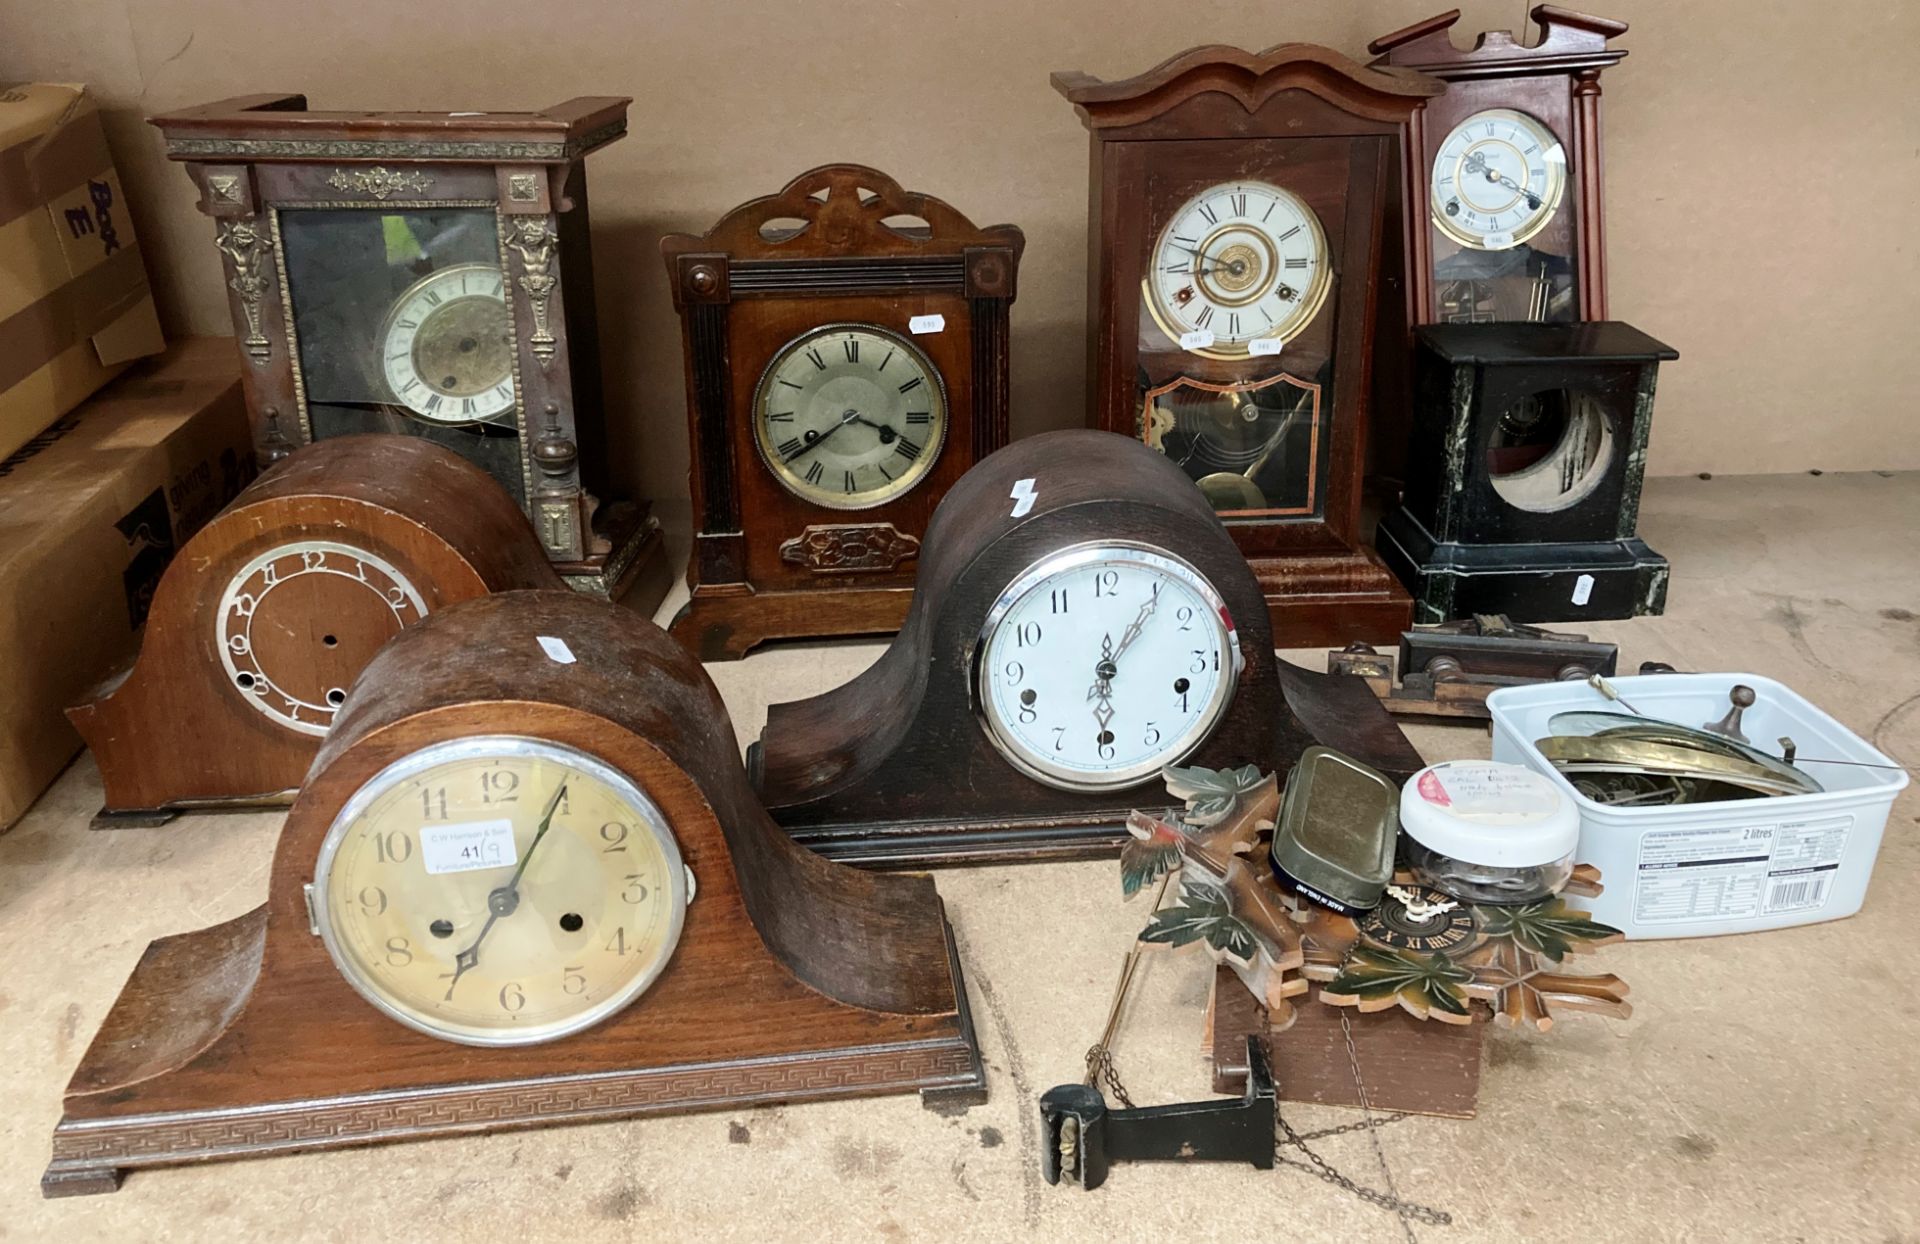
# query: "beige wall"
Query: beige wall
{"points": [[1762, 158]]}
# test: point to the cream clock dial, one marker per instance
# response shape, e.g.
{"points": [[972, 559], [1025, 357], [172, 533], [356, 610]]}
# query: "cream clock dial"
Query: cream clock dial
{"points": [[500, 891], [850, 416], [1498, 180], [447, 347], [1104, 663], [1238, 263]]}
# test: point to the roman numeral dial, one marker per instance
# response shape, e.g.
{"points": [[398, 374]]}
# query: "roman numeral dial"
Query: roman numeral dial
{"points": [[446, 349], [1498, 180], [1236, 263], [850, 416]]}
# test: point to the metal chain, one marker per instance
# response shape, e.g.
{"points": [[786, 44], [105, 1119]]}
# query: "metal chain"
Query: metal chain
{"points": [[1100, 1066]]}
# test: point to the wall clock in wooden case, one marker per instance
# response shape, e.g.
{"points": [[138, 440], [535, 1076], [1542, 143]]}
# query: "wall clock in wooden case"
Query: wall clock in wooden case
{"points": [[1503, 208], [1082, 620], [1238, 255], [846, 362], [275, 606], [526, 883], [428, 274]]}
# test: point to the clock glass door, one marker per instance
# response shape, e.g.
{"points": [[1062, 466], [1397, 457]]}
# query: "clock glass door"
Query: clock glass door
{"points": [[1501, 232], [402, 322]]}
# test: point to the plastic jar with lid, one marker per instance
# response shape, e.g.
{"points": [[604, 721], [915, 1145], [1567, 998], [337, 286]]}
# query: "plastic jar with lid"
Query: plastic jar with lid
{"points": [[1486, 832]]}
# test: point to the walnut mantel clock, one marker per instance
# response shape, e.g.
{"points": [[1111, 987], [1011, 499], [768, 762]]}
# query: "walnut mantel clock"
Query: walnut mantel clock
{"points": [[1239, 253], [846, 359], [427, 274]]}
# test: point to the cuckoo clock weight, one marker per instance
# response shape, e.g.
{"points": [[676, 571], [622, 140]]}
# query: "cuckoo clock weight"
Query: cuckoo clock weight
{"points": [[1239, 255], [846, 361], [1081, 621], [268, 614], [428, 274], [526, 883]]}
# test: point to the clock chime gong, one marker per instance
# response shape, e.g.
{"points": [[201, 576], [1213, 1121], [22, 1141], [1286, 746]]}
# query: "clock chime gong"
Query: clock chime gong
{"points": [[428, 274], [527, 882], [1081, 621], [268, 614]]}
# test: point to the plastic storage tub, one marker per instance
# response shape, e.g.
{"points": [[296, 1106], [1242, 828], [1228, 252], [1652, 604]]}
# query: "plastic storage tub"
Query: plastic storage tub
{"points": [[1733, 867]]}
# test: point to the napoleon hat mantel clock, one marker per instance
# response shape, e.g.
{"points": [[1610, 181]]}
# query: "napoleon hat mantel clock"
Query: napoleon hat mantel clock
{"points": [[526, 883], [1238, 254], [429, 274], [846, 362]]}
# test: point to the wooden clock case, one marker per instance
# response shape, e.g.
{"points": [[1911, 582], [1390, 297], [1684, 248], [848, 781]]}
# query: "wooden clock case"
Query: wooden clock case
{"points": [[256, 157], [368, 534], [1333, 132], [1557, 82], [893, 768], [794, 979], [839, 244]]}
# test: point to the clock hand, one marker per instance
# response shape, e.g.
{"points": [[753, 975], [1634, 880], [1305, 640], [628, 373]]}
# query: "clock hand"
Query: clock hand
{"points": [[1236, 266], [1477, 163], [845, 418], [504, 900]]}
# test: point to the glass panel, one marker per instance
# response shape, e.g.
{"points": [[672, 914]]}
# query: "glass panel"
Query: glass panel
{"points": [[1254, 449], [1502, 222], [402, 326]]}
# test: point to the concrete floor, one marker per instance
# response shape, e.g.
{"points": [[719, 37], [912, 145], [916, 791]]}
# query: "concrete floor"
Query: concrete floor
{"points": [[1765, 1089]]}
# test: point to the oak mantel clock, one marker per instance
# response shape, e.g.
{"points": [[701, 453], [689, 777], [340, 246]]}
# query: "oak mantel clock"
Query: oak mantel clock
{"points": [[1238, 255], [426, 274], [846, 361]]}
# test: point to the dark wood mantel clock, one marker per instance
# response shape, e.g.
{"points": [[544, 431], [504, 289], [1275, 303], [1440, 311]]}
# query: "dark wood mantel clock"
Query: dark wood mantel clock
{"points": [[526, 883], [1239, 253], [428, 274], [846, 362]]}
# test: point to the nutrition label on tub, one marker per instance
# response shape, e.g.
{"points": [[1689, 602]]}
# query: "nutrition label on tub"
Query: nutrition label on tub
{"points": [[1741, 872]]}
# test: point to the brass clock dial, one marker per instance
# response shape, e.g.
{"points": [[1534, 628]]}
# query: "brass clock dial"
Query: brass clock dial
{"points": [[447, 346], [497, 890], [1238, 263], [1497, 180], [850, 416]]}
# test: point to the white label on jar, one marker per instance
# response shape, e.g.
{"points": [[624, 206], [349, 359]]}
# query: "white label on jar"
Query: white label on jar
{"points": [[921, 324], [1583, 589], [1742, 872], [1485, 789], [1264, 345], [1198, 339], [467, 848]]}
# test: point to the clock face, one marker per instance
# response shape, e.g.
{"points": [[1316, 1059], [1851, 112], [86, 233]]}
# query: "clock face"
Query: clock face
{"points": [[500, 891], [1238, 263], [447, 347], [850, 416], [1497, 180], [1104, 663], [298, 622]]}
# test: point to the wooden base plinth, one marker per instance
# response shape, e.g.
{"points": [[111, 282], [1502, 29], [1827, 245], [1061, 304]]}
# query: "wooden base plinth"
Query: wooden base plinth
{"points": [[724, 622], [1419, 1066], [1332, 600], [634, 572]]}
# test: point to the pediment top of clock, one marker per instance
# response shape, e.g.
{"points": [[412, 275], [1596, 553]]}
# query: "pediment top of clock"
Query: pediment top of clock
{"points": [[1251, 77], [1567, 40], [844, 208]]}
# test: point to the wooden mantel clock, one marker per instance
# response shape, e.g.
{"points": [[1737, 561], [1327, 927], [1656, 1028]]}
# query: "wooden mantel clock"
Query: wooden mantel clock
{"points": [[846, 362], [430, 274], [526, 883], [271, 611], [1239, 253], [1082, 621]]}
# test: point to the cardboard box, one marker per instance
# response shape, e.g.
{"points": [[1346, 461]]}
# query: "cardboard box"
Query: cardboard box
{"points": [[74, 305], [91, 511]]}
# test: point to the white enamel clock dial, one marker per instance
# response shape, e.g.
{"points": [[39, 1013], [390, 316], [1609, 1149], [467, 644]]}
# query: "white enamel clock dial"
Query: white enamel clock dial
{"points": [[500, 891], [1104, 663], [447, 347], [850, 416], [1239, 262], [281, 618], [1497, 180]]}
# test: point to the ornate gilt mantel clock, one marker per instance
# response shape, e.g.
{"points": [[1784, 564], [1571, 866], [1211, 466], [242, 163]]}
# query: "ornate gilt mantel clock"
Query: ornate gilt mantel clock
{"points": [[846, 346], [426, 274], [1238, 256]]}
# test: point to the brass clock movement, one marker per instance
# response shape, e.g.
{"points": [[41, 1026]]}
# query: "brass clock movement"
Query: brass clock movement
{"points": [[428, 274], [846, 349], [1238, 241], [525, 883]]}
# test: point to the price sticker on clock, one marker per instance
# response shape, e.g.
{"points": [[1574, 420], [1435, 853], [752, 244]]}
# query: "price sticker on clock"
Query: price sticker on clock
{"points": [[920, 325], [467, 848], [1499, 241], [1198, 339], [1264, 345]]}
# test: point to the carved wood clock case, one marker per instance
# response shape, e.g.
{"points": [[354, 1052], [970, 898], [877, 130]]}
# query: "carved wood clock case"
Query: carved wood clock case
{"points": [[426, 274], [1238, 255], [846, 362]]}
